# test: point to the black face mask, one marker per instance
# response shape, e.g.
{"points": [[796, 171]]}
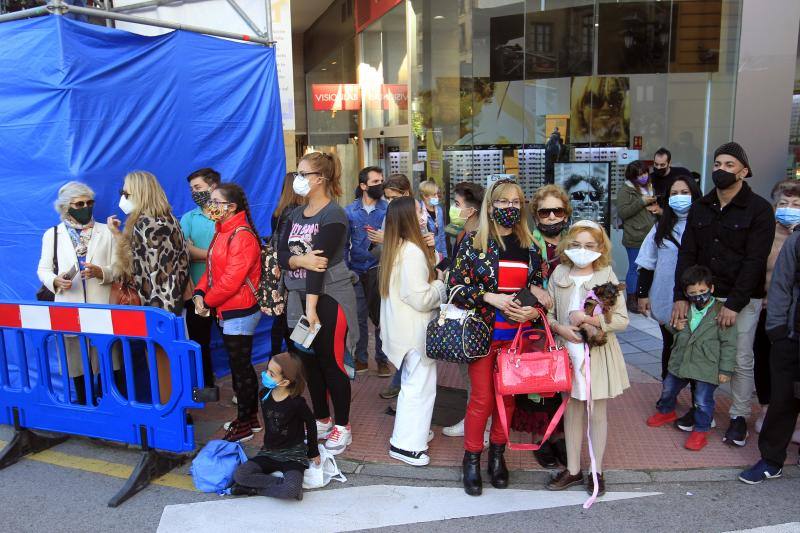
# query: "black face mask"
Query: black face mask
{"points": [[375, 191], [723, 179], [82, 215], [551, 230], [201, 198], [699, 300], [659, 172]]}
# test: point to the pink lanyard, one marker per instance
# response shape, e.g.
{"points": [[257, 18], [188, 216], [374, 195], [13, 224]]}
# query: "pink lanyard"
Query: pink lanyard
{"points": [[587, 365]]}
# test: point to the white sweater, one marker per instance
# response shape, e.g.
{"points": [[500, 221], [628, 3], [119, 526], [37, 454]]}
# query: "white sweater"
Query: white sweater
{"points": [[412, 300]]}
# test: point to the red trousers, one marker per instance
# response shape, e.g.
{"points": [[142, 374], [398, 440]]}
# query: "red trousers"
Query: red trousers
{"points": [[482, 403]]}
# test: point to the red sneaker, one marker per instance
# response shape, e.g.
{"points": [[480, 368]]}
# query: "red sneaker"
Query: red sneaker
{"points": [[659, 419], [696, 441]]}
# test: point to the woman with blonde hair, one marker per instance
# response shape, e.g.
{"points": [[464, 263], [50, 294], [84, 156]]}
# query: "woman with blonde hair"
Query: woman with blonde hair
{"points": [[151, 256], [86, 247], [585, 263], [312, 250], [410, 292], [491, 265]]}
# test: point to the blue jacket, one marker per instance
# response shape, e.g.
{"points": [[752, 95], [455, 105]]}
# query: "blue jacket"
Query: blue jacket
{"points": [[437, 228], [358, 258]]}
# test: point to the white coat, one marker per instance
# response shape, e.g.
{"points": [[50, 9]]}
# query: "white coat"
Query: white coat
{"points": [[100, 252], [412, 300]]}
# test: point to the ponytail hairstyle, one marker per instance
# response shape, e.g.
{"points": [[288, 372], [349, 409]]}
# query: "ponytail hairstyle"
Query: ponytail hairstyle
{"points": [[329, 166], [234, 194], [402, 225]]}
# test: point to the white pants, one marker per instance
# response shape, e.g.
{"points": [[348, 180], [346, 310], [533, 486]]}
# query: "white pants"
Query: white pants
{"points": [[742, 382], [415, 403]]}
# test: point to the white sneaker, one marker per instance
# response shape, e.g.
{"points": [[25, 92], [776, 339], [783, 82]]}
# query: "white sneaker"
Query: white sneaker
{"points": [[456, 430], [412, 458], [339, 439], [324, 429]]}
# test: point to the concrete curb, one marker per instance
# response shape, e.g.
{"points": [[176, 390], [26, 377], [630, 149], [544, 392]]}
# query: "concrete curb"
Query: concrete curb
{"points": [[532, 477]]}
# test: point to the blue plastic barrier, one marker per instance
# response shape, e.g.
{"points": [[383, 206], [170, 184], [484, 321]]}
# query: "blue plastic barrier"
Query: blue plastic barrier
{"points": [[124, 405]]}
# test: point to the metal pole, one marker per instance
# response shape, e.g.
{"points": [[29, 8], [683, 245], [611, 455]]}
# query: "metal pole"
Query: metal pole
{"points": [[99, 13], [247, 20], [268, 6], [107, 7], [25, 13], [150, 3]]}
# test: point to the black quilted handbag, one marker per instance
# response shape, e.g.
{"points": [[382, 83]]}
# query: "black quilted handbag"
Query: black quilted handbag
{"points": [[456, 335]]}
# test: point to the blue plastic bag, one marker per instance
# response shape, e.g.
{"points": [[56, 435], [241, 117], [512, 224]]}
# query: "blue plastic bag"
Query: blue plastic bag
{"points": [[212, 469]]}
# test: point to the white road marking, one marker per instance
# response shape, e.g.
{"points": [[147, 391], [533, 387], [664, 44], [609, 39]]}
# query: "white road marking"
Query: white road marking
{"points": [[344, 509], [789, 527]]}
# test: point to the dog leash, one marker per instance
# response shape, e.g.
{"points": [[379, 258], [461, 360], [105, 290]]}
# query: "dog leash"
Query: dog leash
{"points": [[587, 365]]}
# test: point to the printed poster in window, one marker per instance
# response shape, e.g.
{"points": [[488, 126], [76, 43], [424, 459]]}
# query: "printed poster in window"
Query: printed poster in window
{"points": [[600, 110], [435, 163]]}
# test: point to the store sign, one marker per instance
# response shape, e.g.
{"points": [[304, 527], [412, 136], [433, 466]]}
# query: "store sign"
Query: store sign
{"points": [[394, 95], [336, 96], [368, 11]]}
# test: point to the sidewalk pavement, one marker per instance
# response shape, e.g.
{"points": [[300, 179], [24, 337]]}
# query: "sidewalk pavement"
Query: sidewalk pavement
{"points": [[632, 446]]}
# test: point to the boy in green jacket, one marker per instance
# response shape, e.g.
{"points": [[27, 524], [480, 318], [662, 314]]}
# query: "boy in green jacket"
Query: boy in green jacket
{"points": [[702, 352]]}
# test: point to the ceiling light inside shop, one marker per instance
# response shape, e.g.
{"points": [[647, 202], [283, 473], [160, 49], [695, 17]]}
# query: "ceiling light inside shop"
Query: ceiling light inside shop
{"points": [[438, 17]]}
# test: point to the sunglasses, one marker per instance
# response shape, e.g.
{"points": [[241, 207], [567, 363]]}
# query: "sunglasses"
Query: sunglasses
{"points": [[581, 196], [81, 204], [555, 211]]}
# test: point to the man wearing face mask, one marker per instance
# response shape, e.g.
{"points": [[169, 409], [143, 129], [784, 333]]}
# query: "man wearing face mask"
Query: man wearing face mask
{"points": [[663, 173], [367, 212], [730, 230], [198, 229]]}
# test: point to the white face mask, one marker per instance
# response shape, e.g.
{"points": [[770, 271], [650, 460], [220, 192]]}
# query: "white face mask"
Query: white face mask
{"points": [[126, 205], [582, 257], [301, 186]]}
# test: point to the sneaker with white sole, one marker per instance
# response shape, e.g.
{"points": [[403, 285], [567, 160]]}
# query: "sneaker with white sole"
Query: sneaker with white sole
{"points": [[324, 429], [412, 458], [759, 472], [255, 425], [456, 430], [339, 439], [686, 422]]}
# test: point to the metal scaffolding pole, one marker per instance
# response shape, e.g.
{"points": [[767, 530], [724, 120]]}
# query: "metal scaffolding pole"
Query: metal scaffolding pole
{"points": [[247, 20], [99, 13], [25, 13]]}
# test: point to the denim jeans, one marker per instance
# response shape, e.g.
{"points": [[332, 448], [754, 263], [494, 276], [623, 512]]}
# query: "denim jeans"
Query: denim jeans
{"points": [[632, 276], [703, 400], [244, 325], [363, 339]]}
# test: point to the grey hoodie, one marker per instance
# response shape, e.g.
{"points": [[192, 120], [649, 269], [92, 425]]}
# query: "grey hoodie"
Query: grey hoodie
{"points": [[784, 291]]}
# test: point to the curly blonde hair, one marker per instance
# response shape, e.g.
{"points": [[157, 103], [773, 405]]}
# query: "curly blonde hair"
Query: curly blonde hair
{"points": [[598, 234]]}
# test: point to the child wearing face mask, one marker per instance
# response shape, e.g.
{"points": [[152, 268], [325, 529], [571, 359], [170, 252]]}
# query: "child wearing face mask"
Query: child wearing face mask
{"points": [[702, 352], [429, 194], [290, 435], [585, 263]]}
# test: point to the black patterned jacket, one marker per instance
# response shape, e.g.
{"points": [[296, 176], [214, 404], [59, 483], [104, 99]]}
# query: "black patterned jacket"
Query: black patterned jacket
{"points": [[477, 271]]}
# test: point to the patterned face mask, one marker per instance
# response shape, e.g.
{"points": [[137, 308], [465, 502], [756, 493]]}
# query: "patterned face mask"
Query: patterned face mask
{"points": [[507, 216], [201, 198], [217, 212]]}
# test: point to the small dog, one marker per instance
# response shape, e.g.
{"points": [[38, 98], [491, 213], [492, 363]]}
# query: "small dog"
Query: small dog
{"points": [[601, 299]]}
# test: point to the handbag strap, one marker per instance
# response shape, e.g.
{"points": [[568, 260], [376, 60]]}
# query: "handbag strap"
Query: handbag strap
{"points": [[55, 249], [501, 412], [551, 342]]}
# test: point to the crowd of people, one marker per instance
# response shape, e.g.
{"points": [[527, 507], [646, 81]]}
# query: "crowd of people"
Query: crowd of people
{"points": [[700, 265]]}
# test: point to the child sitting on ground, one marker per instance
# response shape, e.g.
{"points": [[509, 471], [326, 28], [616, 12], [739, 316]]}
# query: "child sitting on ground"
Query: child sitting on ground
{"points": [[702, 352], [285, 414]]}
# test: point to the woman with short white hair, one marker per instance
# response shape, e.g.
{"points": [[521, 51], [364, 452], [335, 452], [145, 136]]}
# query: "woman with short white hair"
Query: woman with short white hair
{"points": [[76, 265]]}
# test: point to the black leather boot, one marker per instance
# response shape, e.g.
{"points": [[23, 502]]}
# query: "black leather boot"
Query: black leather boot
{"points": [[471, 466], [497, 466]]}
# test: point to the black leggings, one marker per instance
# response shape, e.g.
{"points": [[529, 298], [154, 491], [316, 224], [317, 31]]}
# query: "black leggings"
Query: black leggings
{"points": [[251, 474], [325, 370], [761, 368], [280, 333], [243, 375]]}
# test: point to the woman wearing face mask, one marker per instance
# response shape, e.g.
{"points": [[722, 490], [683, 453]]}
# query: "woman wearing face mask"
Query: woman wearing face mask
{"points": [[492, 264], [467, 200], [551, 212], [233, 272], [311, 250], [585, 263], [786, 200], [658, 256], [636, 206], [429, 194], [151, 254], [87, 246]]}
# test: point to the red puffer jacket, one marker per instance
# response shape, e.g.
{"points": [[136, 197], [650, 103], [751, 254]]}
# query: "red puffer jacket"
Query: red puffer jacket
{"points": [[231, 258]]}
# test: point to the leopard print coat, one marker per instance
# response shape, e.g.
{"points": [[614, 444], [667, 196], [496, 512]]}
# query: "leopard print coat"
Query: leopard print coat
{"points": [[154, 258]]}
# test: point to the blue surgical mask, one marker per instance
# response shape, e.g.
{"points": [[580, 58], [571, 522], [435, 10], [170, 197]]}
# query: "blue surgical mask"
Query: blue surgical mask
{"points": [[268, 381], [787, 216], [434, 201], [680, 203]]}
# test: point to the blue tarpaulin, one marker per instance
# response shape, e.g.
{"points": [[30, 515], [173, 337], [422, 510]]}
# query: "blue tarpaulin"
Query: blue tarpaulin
{"points": [[89, 103]]}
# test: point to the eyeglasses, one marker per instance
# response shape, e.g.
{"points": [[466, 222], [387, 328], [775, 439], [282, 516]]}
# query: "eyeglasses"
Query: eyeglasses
{"points": [[545, 212], [123, 192], [580, 196], [575, 245], [80, 204], [503, 203], [217, 203], [306, 174]]}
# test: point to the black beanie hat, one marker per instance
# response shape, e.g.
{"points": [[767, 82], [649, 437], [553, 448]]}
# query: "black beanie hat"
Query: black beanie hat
{"points": [[735, 149]]}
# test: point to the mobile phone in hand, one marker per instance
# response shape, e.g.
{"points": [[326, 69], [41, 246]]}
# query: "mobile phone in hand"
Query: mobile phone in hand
{"points": [[526, 298]]}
